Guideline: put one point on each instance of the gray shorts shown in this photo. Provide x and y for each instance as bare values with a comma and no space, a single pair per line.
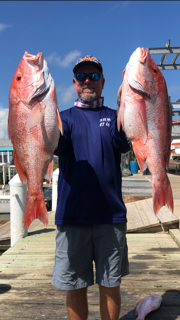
78,246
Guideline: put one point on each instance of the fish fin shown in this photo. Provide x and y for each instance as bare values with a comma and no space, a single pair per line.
142,114
141,162
120,118
20,172
36,115
50,170
35,209
162,195
60,125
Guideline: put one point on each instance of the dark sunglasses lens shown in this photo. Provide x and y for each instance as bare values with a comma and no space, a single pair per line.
94,76
81,76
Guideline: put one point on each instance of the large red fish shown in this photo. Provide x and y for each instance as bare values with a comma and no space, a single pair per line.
33,126
146,117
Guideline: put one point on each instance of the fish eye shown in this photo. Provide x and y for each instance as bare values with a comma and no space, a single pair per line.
155,71
18,78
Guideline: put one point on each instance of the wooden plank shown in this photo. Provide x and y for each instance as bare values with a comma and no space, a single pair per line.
145,218
2,222
5,231
164,214
175,234
133,218
149,211
146,214
141,217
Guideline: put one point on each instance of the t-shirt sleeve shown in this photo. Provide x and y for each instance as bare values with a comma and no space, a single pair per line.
65,138
118,138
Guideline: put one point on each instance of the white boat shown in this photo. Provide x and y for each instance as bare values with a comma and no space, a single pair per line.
4,203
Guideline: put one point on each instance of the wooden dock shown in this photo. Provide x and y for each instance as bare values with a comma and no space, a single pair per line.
141,217
26,269
5,235
140,214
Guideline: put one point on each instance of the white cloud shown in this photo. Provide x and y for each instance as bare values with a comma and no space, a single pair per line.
3,123
70,57
174,89
4,26
67,93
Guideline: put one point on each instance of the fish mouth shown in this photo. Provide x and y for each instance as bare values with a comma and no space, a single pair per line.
143,55
32,59
135,73
140,55
42,78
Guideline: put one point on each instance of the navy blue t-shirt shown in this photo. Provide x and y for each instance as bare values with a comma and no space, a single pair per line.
89,185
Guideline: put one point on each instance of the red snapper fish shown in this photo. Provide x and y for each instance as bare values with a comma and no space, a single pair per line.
147,305
33,126
145,114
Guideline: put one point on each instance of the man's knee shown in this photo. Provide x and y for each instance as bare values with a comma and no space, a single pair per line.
78,293
109,291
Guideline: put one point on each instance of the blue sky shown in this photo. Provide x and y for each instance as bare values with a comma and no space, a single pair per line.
67,30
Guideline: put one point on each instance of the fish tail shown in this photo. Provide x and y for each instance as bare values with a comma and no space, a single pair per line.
35,209
162,195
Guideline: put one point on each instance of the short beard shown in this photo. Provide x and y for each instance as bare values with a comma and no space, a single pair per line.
90,98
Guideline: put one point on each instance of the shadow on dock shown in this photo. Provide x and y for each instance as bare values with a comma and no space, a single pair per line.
4,288
41,231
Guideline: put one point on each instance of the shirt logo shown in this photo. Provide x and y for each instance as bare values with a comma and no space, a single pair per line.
104,122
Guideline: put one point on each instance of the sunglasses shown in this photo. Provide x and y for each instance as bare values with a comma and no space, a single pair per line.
94,76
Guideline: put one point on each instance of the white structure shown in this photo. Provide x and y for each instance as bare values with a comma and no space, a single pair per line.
175,132
6,159
54,189
18,192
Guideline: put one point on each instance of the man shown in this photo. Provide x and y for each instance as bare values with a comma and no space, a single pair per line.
90,215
